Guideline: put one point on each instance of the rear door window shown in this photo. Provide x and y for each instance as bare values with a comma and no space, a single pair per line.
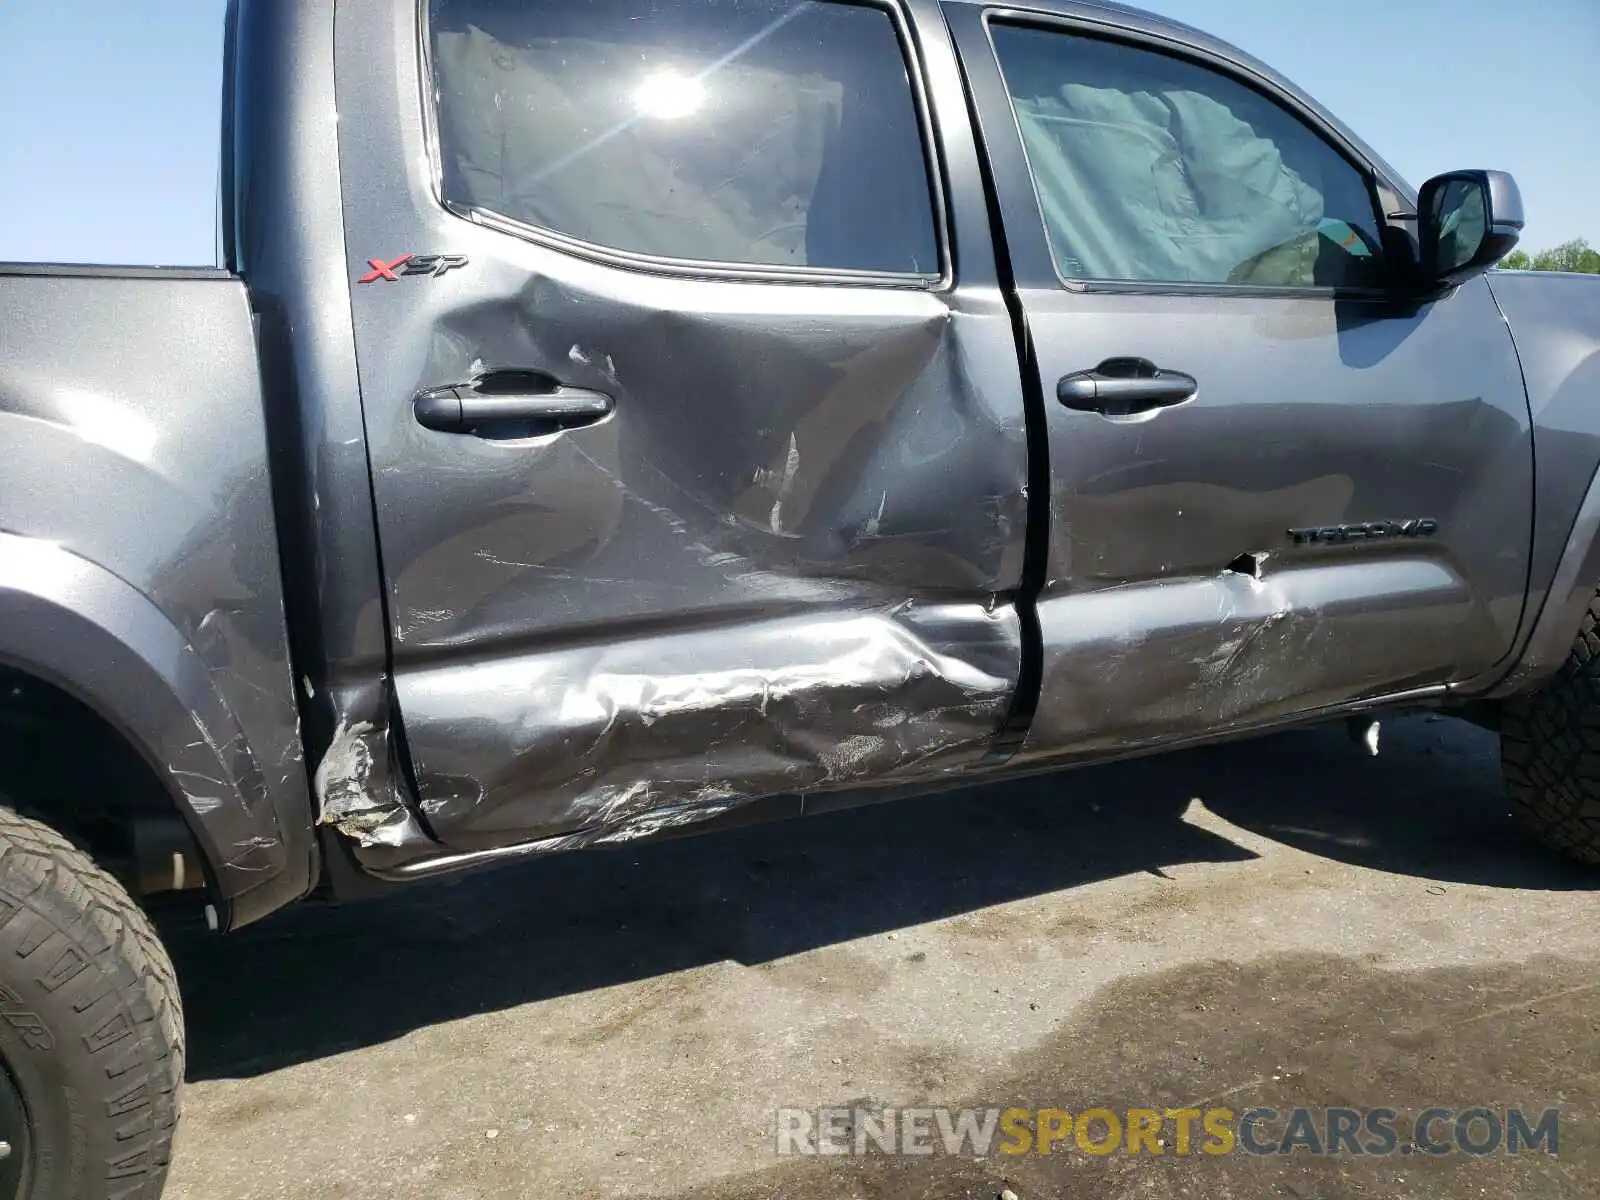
746,132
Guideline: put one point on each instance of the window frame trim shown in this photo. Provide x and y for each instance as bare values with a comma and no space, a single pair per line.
1168,46
935,178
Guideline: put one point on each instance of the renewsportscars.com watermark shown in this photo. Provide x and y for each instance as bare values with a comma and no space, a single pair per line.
979,1132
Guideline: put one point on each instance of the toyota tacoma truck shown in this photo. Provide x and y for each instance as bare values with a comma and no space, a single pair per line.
621,419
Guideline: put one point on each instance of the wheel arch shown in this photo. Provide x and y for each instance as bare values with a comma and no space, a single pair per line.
82,632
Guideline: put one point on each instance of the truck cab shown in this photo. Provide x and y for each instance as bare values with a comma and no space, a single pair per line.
615,420
767,404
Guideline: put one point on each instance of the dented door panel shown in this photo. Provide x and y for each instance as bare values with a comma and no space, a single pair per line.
1199,656
1176,598
740,552
1312,414
786,560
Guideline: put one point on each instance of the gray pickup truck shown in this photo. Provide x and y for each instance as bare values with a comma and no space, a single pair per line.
625,418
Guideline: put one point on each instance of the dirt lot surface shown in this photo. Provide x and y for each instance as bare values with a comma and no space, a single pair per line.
1278,923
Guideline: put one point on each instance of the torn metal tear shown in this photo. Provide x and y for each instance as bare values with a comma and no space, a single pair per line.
350,795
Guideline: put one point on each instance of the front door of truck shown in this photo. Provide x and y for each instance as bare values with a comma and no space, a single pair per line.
698,474
1275,487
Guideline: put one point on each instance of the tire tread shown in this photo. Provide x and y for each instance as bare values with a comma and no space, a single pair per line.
1550,749
65,895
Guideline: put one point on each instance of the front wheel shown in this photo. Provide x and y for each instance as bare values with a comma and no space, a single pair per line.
91,1032
1550,750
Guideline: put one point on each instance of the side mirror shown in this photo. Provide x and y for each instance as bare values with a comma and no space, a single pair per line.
1466,222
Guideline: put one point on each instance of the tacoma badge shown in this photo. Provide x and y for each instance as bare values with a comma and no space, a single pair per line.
1366,531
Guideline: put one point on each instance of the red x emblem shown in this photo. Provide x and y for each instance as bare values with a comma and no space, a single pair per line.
383,270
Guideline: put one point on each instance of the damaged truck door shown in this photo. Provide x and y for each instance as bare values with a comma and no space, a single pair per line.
697,476
1231,356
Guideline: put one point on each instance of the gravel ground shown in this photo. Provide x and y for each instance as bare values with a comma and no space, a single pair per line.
1276,923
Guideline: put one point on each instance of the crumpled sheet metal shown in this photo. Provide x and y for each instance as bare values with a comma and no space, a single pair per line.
355,793
624,739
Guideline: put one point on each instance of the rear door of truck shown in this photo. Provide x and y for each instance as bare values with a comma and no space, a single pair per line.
692,402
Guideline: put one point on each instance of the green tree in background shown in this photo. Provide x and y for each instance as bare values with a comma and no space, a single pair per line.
1569,256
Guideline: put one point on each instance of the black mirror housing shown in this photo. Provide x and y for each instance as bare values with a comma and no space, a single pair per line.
1466,222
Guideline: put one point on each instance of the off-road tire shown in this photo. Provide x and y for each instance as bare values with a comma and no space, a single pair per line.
91,1031
1550,750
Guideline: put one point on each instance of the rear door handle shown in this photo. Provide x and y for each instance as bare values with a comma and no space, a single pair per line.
510,402
1125,387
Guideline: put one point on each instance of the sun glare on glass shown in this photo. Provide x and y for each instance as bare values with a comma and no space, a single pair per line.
668,95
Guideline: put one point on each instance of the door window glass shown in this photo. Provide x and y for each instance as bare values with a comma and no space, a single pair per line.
728,131
1152,168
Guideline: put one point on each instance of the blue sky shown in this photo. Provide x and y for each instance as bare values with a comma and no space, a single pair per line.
109,108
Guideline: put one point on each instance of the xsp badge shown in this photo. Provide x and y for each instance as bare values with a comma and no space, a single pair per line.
1365,531
412,264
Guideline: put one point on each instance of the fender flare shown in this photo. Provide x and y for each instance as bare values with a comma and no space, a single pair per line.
1554,628
78,626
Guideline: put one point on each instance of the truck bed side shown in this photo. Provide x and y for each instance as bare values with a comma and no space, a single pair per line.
139,566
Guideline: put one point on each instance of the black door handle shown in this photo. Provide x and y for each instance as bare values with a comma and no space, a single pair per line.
510,403
1125,387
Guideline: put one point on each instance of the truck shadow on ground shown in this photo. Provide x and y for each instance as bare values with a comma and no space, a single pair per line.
320,980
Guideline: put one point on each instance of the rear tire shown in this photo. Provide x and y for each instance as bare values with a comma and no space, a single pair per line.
1550,750
91,1031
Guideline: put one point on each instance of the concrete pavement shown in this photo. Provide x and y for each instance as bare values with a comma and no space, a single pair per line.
1274,923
